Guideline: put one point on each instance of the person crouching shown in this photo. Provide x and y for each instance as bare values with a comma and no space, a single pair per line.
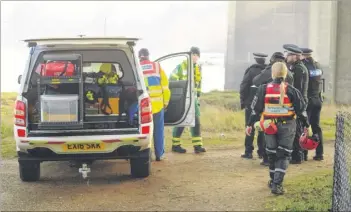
275,106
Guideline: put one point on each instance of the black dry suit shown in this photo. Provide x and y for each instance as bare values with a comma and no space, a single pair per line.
278,146
246,97
315,100
300,73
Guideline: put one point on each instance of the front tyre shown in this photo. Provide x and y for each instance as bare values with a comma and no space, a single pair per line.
140,166
29,171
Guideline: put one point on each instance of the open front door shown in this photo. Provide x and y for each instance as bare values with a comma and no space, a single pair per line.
181,107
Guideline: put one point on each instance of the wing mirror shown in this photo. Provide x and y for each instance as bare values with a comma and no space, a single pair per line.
19,79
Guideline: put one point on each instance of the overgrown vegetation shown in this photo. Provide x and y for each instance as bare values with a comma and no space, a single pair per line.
223,125
306,192
222,122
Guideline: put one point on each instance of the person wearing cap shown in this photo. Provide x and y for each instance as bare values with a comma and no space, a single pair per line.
299,57
180,73
245,101
265,77
157,85
315,99
301,79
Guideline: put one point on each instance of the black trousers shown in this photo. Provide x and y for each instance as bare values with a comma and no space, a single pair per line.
314,113
298,153
249,139
279,148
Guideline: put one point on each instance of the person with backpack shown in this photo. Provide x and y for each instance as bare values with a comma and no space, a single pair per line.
263,78
274,107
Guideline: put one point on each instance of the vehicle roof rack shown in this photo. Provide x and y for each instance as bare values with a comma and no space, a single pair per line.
81,40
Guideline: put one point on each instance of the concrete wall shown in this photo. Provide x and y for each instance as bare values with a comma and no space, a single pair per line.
343,47
324,26
262,26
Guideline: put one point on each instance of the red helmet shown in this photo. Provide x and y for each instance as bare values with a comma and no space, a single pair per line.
308,142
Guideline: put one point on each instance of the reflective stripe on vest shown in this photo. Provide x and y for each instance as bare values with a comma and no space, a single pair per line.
272,108
151,72
152,78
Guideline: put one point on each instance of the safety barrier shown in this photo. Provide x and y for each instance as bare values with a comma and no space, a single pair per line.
341,200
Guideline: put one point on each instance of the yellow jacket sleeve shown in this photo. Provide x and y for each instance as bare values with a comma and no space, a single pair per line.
165,88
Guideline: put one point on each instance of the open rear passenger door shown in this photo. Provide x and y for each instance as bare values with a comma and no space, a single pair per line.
181,107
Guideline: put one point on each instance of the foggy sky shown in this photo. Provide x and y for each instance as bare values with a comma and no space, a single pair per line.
165,27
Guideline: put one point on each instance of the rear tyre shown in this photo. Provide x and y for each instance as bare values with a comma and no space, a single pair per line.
29,171
140,167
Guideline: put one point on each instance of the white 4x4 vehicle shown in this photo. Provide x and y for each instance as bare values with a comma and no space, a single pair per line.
54,122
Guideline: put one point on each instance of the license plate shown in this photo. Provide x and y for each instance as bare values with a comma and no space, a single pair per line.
83,147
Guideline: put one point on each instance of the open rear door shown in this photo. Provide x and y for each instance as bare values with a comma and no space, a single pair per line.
181,108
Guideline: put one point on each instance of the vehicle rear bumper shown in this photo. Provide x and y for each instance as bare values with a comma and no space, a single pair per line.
56,145
44,154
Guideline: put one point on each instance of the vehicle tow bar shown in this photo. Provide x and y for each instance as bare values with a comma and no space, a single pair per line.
84,170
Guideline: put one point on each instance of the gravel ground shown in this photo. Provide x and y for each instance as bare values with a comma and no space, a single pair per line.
215,181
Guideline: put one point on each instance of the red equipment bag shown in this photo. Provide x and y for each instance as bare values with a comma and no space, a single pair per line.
57,68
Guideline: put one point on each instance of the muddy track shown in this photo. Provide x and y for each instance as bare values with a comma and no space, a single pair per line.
216,181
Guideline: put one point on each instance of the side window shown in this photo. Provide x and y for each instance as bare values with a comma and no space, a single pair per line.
176,67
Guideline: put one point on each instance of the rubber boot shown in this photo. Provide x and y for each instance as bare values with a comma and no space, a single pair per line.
247,155
318,158
270,183
199,149
277,189
178,149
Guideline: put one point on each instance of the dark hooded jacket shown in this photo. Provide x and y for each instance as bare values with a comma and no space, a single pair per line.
246,83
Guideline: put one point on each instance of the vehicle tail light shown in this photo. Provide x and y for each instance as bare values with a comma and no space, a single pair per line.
145,111
20,114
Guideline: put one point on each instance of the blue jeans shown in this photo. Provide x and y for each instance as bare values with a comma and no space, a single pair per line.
159,142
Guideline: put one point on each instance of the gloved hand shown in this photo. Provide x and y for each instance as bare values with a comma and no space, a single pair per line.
304,121
248,130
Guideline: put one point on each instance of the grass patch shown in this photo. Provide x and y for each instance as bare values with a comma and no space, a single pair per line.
305,192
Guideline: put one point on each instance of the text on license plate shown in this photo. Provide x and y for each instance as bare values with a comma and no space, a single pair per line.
83,147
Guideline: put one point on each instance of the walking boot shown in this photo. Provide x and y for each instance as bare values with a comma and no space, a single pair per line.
199,149
270,183
247,155
295,162
264,163
318,158
260,156
178,149
277,189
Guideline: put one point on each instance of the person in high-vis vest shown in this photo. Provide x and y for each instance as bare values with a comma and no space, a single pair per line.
274,108
157,86
180,73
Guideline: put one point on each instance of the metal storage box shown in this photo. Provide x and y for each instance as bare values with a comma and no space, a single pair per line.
59,108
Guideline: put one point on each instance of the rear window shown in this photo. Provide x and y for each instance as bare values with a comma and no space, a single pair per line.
93,61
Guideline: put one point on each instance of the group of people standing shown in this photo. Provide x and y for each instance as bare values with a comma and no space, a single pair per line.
284,98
